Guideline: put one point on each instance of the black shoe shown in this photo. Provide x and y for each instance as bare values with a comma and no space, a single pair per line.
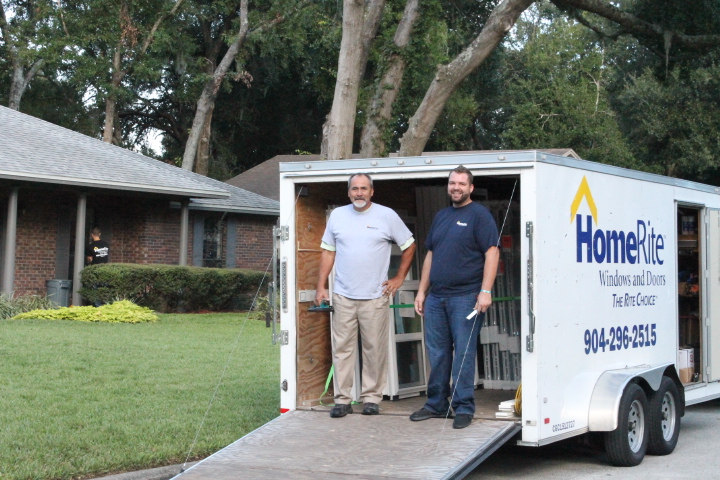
462,420
371,409
340,410
424,414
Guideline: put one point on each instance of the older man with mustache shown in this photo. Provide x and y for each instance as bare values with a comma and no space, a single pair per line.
357,241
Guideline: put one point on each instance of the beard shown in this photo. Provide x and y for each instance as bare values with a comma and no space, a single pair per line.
359,203
463,198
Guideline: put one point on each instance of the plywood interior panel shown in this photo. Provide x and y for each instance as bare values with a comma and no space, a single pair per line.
314,353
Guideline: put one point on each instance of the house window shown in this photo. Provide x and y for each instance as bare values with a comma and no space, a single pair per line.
212,243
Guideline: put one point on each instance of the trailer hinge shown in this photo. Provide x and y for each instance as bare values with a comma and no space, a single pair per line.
281,338
282,232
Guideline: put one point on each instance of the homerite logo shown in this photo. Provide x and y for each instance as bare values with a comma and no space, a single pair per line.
637,245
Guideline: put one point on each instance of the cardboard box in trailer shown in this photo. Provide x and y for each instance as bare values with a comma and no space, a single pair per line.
604,314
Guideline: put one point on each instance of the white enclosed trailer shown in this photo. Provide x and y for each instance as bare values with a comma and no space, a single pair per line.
608,314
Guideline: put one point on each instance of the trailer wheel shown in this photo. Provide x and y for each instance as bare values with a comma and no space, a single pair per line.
663,419
626,445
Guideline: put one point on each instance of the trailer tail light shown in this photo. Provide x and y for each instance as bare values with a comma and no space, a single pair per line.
547,420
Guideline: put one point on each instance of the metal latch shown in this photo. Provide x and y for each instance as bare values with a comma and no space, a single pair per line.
282,232
281,338
283,285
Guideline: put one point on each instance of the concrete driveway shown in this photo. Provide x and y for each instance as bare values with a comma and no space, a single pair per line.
697,455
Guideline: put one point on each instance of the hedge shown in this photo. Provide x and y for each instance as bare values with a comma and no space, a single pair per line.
171,288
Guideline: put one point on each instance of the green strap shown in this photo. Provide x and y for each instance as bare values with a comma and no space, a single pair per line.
496,299
327,387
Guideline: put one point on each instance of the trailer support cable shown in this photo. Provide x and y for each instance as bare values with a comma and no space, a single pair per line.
475,317
224,370
232,352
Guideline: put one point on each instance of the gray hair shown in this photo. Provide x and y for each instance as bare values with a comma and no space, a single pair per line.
359,175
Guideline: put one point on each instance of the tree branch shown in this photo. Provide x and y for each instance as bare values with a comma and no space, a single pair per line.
634,25
158,22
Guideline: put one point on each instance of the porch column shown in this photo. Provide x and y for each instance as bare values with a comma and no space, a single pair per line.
80,242
184,213
8,278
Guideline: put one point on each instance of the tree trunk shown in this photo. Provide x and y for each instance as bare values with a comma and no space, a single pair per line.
17,87
203,152
372,141
448,77
206,102
359,29
119,74
111,99
20,81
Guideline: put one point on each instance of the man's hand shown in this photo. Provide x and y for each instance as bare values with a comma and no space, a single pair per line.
484,300
420,303
392,286
320,295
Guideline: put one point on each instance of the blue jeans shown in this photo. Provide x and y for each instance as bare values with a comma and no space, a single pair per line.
448,331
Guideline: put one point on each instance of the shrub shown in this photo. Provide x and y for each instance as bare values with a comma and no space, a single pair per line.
171,288
123,311
11,306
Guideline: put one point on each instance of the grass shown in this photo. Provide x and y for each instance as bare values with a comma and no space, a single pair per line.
79,400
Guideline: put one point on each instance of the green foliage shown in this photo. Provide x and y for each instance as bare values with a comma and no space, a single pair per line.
11,306
557,96
674,124
123,311
171,288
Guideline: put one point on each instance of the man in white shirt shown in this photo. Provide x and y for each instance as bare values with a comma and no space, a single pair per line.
358,241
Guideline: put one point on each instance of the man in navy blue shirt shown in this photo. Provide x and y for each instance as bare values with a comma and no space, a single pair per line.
457,278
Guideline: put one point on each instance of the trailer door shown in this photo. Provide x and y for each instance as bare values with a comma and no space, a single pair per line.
311,445
712,300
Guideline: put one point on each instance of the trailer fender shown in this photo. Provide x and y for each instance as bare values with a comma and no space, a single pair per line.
605,399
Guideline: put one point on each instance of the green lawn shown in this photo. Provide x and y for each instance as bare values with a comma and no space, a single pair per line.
86,399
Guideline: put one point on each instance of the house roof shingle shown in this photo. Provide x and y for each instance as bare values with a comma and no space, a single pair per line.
37,151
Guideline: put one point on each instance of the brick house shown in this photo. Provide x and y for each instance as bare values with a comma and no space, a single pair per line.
56,185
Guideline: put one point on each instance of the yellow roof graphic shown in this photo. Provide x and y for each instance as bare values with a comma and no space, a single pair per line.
583,191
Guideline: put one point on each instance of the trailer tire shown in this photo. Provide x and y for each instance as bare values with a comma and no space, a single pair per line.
664,419
626,445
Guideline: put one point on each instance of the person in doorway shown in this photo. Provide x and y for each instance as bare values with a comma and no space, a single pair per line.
357,241
98,251
457,277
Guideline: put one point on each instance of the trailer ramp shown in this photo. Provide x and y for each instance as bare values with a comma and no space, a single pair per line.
311,445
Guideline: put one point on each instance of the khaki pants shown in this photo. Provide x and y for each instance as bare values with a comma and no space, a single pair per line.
370,317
